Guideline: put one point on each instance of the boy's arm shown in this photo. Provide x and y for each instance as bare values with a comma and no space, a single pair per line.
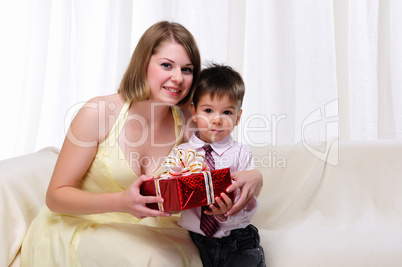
245,162
247,179
249,183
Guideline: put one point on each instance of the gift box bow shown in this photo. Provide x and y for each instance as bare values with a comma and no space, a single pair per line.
182,162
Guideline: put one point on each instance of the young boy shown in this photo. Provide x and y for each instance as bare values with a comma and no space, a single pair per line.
217,110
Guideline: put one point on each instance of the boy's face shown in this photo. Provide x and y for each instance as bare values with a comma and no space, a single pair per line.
215,118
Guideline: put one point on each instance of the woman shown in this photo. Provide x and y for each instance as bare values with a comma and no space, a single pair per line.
95,215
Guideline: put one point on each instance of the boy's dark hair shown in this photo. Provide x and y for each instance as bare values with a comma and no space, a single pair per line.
220,80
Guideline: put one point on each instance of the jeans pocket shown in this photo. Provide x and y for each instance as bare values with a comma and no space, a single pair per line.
247,243
253,257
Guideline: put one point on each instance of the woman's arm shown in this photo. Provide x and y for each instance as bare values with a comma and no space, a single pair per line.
250,184
75,157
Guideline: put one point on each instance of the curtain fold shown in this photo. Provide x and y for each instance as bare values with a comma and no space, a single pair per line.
290,65
314,69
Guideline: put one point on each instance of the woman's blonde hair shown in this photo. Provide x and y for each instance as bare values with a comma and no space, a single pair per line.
134,85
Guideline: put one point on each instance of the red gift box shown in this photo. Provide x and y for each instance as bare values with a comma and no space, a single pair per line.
189,191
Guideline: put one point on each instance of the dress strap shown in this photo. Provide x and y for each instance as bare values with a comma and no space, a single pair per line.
118,124
121,119
178,119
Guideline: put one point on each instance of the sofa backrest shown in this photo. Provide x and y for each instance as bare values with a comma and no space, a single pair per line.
363,181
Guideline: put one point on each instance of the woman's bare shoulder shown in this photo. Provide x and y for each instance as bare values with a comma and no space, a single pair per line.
110,102
97,114
104,106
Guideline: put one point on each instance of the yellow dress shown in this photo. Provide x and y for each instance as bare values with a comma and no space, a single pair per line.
109,239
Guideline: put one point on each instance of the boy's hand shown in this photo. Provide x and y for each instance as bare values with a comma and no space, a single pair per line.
224,203
250,184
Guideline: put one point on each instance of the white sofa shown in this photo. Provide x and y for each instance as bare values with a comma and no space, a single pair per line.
328,205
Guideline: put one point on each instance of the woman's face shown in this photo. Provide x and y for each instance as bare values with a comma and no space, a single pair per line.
169,73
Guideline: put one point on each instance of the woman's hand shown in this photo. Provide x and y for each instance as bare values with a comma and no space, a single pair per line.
223,205
134,203
250,184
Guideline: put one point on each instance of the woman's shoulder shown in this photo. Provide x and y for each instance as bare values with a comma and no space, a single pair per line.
95,114
110,102
104,106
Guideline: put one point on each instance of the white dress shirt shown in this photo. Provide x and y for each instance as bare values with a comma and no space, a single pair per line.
227,153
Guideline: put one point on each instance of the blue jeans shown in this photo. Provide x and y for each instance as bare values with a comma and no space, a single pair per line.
241,248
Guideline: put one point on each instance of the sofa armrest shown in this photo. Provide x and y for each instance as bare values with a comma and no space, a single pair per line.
23,185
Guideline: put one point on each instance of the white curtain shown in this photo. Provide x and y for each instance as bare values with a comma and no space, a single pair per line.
314,69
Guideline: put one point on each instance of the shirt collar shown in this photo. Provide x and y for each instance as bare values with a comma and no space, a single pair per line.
219,147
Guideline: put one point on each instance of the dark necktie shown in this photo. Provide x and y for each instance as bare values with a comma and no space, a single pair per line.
208,223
